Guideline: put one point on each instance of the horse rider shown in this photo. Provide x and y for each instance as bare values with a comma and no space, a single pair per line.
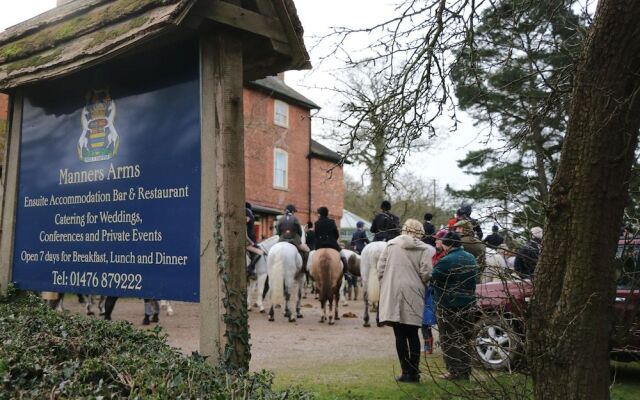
327,235
253,251
290,231
385,225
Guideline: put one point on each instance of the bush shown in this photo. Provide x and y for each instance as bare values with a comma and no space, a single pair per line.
47,354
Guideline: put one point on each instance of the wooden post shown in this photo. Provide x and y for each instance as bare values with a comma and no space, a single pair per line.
10,190
224,319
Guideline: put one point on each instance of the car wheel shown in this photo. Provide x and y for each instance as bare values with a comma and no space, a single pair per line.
497,344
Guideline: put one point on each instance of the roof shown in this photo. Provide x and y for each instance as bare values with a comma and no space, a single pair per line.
83,33
278,88
322,152
349,220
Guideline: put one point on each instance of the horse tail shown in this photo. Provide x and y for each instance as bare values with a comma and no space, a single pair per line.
323,269
373,286
276,279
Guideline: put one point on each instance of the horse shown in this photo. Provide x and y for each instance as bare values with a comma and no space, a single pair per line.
349,255
326,270
369,274
284,268
256,287
496,267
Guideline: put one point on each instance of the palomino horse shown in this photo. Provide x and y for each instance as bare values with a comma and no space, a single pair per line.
326,270
369,274
284,268
256,287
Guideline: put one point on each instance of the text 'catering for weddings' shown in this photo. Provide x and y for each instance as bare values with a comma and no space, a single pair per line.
109,181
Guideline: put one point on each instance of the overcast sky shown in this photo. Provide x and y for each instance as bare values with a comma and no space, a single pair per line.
317,18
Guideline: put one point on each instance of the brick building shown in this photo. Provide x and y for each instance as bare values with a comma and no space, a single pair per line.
282,163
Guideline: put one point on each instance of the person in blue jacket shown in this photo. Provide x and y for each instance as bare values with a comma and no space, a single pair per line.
454,293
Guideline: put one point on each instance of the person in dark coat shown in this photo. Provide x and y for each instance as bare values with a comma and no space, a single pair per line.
359,238
464,213
429,230
385,225
527,257
454,281
327,234
289,228
310,236
494,240
253,252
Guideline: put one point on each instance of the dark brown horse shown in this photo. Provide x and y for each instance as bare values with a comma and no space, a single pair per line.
326,270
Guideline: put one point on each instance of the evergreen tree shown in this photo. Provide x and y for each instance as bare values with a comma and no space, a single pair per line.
517,79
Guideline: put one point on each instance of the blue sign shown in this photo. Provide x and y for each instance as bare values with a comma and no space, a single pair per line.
109,180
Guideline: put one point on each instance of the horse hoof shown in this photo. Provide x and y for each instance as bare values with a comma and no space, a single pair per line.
337,318
366,325
299,316
271,319
262,311
292,320
321,321
331,323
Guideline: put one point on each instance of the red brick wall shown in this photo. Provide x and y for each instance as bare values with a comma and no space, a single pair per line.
261,137
327,188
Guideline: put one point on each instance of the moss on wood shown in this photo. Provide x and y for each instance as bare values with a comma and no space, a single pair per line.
34,61
77,26
106,35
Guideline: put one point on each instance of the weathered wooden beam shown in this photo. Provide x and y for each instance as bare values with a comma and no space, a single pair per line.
223,285
211,308
243,19
10,191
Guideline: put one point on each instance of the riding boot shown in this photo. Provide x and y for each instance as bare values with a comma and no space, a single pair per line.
251,268
345,267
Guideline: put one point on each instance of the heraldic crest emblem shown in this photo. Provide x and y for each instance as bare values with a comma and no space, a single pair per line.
99,139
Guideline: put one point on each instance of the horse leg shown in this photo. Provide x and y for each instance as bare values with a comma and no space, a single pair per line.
323,305
366,309
250,289
101,302
271,318
89,304
337,316
331,322
287,309
262,280
298,303
169,308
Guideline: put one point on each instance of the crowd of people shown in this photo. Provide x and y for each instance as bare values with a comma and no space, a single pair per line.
428,277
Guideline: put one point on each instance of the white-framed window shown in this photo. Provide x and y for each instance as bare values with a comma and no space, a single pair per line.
280,169
281,113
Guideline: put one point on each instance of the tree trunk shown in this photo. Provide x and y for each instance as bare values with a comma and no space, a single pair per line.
541,167
571,312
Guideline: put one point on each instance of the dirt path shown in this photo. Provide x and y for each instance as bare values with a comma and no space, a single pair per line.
278,345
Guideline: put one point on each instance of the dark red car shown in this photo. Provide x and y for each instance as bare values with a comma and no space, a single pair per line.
502,305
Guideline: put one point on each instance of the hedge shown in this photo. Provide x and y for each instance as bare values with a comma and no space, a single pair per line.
46,354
